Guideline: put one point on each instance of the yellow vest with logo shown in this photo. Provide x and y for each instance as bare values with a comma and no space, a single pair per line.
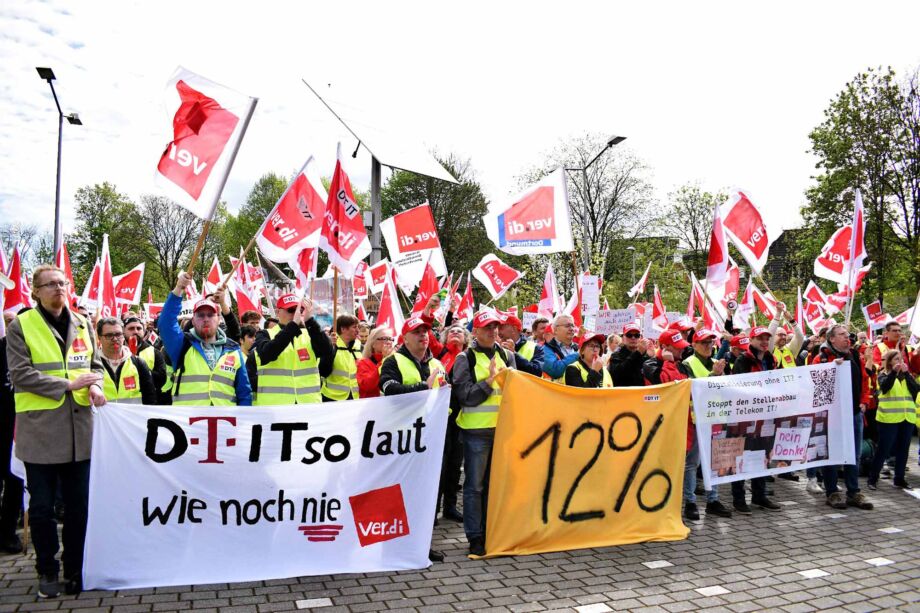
697,367
293,377
197,384
608,381
411,375
784,357
343,380
128,390
896,405
527,350
47,359
484,415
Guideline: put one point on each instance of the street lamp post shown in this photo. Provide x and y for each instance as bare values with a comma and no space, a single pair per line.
633,249
73,119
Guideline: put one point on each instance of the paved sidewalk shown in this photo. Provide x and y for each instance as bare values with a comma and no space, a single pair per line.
803,558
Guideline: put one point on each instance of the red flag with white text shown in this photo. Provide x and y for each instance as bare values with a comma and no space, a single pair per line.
16,298
130,285
428,287
467,309
746,228
62,261
343,235
495,275
295,222
105,294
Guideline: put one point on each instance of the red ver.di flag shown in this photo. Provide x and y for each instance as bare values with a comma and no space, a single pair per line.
295,222
535,221
746,228
412,240
209,121
495,275
130,286
343,236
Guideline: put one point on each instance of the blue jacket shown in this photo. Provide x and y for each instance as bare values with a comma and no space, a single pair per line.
553,364
174,340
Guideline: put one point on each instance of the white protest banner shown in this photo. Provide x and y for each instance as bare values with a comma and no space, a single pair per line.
766,423
182,495
527,320
590,294
612,321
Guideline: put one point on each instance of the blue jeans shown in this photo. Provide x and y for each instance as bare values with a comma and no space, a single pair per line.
850,471
893,439
692,463
477,456
43,481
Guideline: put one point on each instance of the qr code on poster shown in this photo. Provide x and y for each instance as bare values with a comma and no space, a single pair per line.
825,386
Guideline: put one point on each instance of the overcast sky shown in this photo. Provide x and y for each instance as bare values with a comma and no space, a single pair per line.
717,92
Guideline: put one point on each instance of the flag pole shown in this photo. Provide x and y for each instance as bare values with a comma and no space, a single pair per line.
223,181
335,296
229,275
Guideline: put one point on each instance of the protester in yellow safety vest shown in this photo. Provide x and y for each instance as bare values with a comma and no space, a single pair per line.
126,377
209,367
589,370
698,366
783,348
55,370
479,397
896,417
412,368
340,370
892,339
528,355
151,356
284,365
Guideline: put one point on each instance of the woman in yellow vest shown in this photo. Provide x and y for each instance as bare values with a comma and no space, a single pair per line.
340,372
896,417
588,370
126,379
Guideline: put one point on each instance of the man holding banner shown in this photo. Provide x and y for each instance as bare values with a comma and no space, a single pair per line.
479,397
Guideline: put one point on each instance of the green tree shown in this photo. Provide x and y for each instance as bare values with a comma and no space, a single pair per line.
102,209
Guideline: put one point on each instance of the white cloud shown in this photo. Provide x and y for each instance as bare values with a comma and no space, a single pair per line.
722,92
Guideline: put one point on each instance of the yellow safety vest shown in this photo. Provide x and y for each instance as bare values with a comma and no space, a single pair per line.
896,405
697,367
484,415
47,359
527,349
784,357
343,380
410,373
199,385
608,381
293,377
148,354
128,390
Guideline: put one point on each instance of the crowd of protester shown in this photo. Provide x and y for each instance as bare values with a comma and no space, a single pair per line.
56,363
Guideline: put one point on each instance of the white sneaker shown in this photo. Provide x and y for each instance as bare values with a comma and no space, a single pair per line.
814,487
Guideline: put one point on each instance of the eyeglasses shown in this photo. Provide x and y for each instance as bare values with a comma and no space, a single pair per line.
56,284
291,310
565,326
385,339
112,337
633,335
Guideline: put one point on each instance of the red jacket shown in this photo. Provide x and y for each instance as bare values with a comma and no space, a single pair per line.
670,372
369,376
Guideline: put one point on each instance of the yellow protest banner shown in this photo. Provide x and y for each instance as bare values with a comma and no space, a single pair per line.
575,468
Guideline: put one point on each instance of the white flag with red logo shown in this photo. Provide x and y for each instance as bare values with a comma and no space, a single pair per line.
208,122
535,221
304,267
639,287
88,299
732,285
62,261
467,308
412,241
550,300
659,314
428,287
375,276
361,313
359,283
389,313
17,297
815,294
835,302
745,227
745,309
913,322
832,262
857,253
105,293
875,316
764,303
129,286
295,222
573,308
495,275
343,236
717,263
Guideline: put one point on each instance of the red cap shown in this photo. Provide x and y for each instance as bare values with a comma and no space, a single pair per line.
681,324
286,301
512,320
484,318
760,331
413,323
205,303
740,341
632,328
704,334
673,338
600,338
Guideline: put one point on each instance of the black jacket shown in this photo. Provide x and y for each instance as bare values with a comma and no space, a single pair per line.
626,368
573,375
145,379
270,348
827,354
391,381
886,382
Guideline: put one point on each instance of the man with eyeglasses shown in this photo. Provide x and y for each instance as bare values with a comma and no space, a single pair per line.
626,362
561,350
892,340
56,372
209,366
284,363
153,358
126,377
